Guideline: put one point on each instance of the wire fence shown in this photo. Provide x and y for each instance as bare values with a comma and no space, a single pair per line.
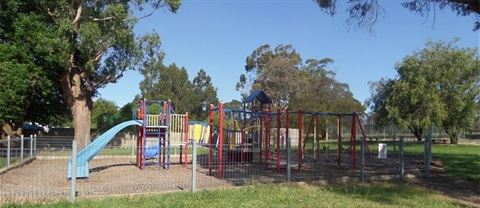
43,174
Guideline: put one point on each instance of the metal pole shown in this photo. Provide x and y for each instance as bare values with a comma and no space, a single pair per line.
402,162
194,165
35,144
21,148
428,153
362,155
289,161
31,146
74,172
8,152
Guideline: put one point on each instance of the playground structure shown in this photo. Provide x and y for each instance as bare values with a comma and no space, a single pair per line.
154,138
157,126
264,135
254,134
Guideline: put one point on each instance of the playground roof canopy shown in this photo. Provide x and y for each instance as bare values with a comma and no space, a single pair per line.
260,95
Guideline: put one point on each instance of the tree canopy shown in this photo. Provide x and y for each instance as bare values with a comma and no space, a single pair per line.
290,83
29,67
437,86
79,45
365,13
172,83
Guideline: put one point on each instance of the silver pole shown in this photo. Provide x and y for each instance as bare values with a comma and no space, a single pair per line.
8,152
194,165
362,155
289,161
31,146
402,162
428,154
35,144
74,171
21,148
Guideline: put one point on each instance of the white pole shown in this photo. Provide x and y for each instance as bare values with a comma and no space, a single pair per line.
8,152
31,146
21,148
35,144
194,166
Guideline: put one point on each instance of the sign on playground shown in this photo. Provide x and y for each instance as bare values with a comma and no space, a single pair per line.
382,150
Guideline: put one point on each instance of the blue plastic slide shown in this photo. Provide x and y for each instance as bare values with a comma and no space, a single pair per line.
90,151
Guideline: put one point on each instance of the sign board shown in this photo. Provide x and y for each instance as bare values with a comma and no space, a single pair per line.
382,150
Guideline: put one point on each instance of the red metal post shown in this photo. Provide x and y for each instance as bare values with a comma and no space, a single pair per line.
363,133
186,141
220,143
278,139
210,147
260,135
287,126
308,133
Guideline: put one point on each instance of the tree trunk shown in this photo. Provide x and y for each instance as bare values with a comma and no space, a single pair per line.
80,103
453,138
417,131
81,123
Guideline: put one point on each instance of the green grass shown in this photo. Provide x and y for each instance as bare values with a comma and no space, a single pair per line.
3,162
270,195
459,160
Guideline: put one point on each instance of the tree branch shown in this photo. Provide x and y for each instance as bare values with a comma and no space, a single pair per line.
472,5
78,15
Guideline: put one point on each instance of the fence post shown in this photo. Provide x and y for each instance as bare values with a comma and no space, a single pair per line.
362,155
289,161
401,158
35,144
8,151
194,165
21,148
74,172
31,146
428,154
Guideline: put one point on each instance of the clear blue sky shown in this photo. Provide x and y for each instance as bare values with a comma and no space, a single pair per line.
217,36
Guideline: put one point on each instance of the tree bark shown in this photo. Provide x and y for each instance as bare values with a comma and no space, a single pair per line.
453,138
417,131
80,104
81,122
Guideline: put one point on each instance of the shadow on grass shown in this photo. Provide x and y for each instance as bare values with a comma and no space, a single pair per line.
462,166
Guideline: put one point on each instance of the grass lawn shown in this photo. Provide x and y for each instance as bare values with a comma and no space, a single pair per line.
271,195
3,161
459,160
